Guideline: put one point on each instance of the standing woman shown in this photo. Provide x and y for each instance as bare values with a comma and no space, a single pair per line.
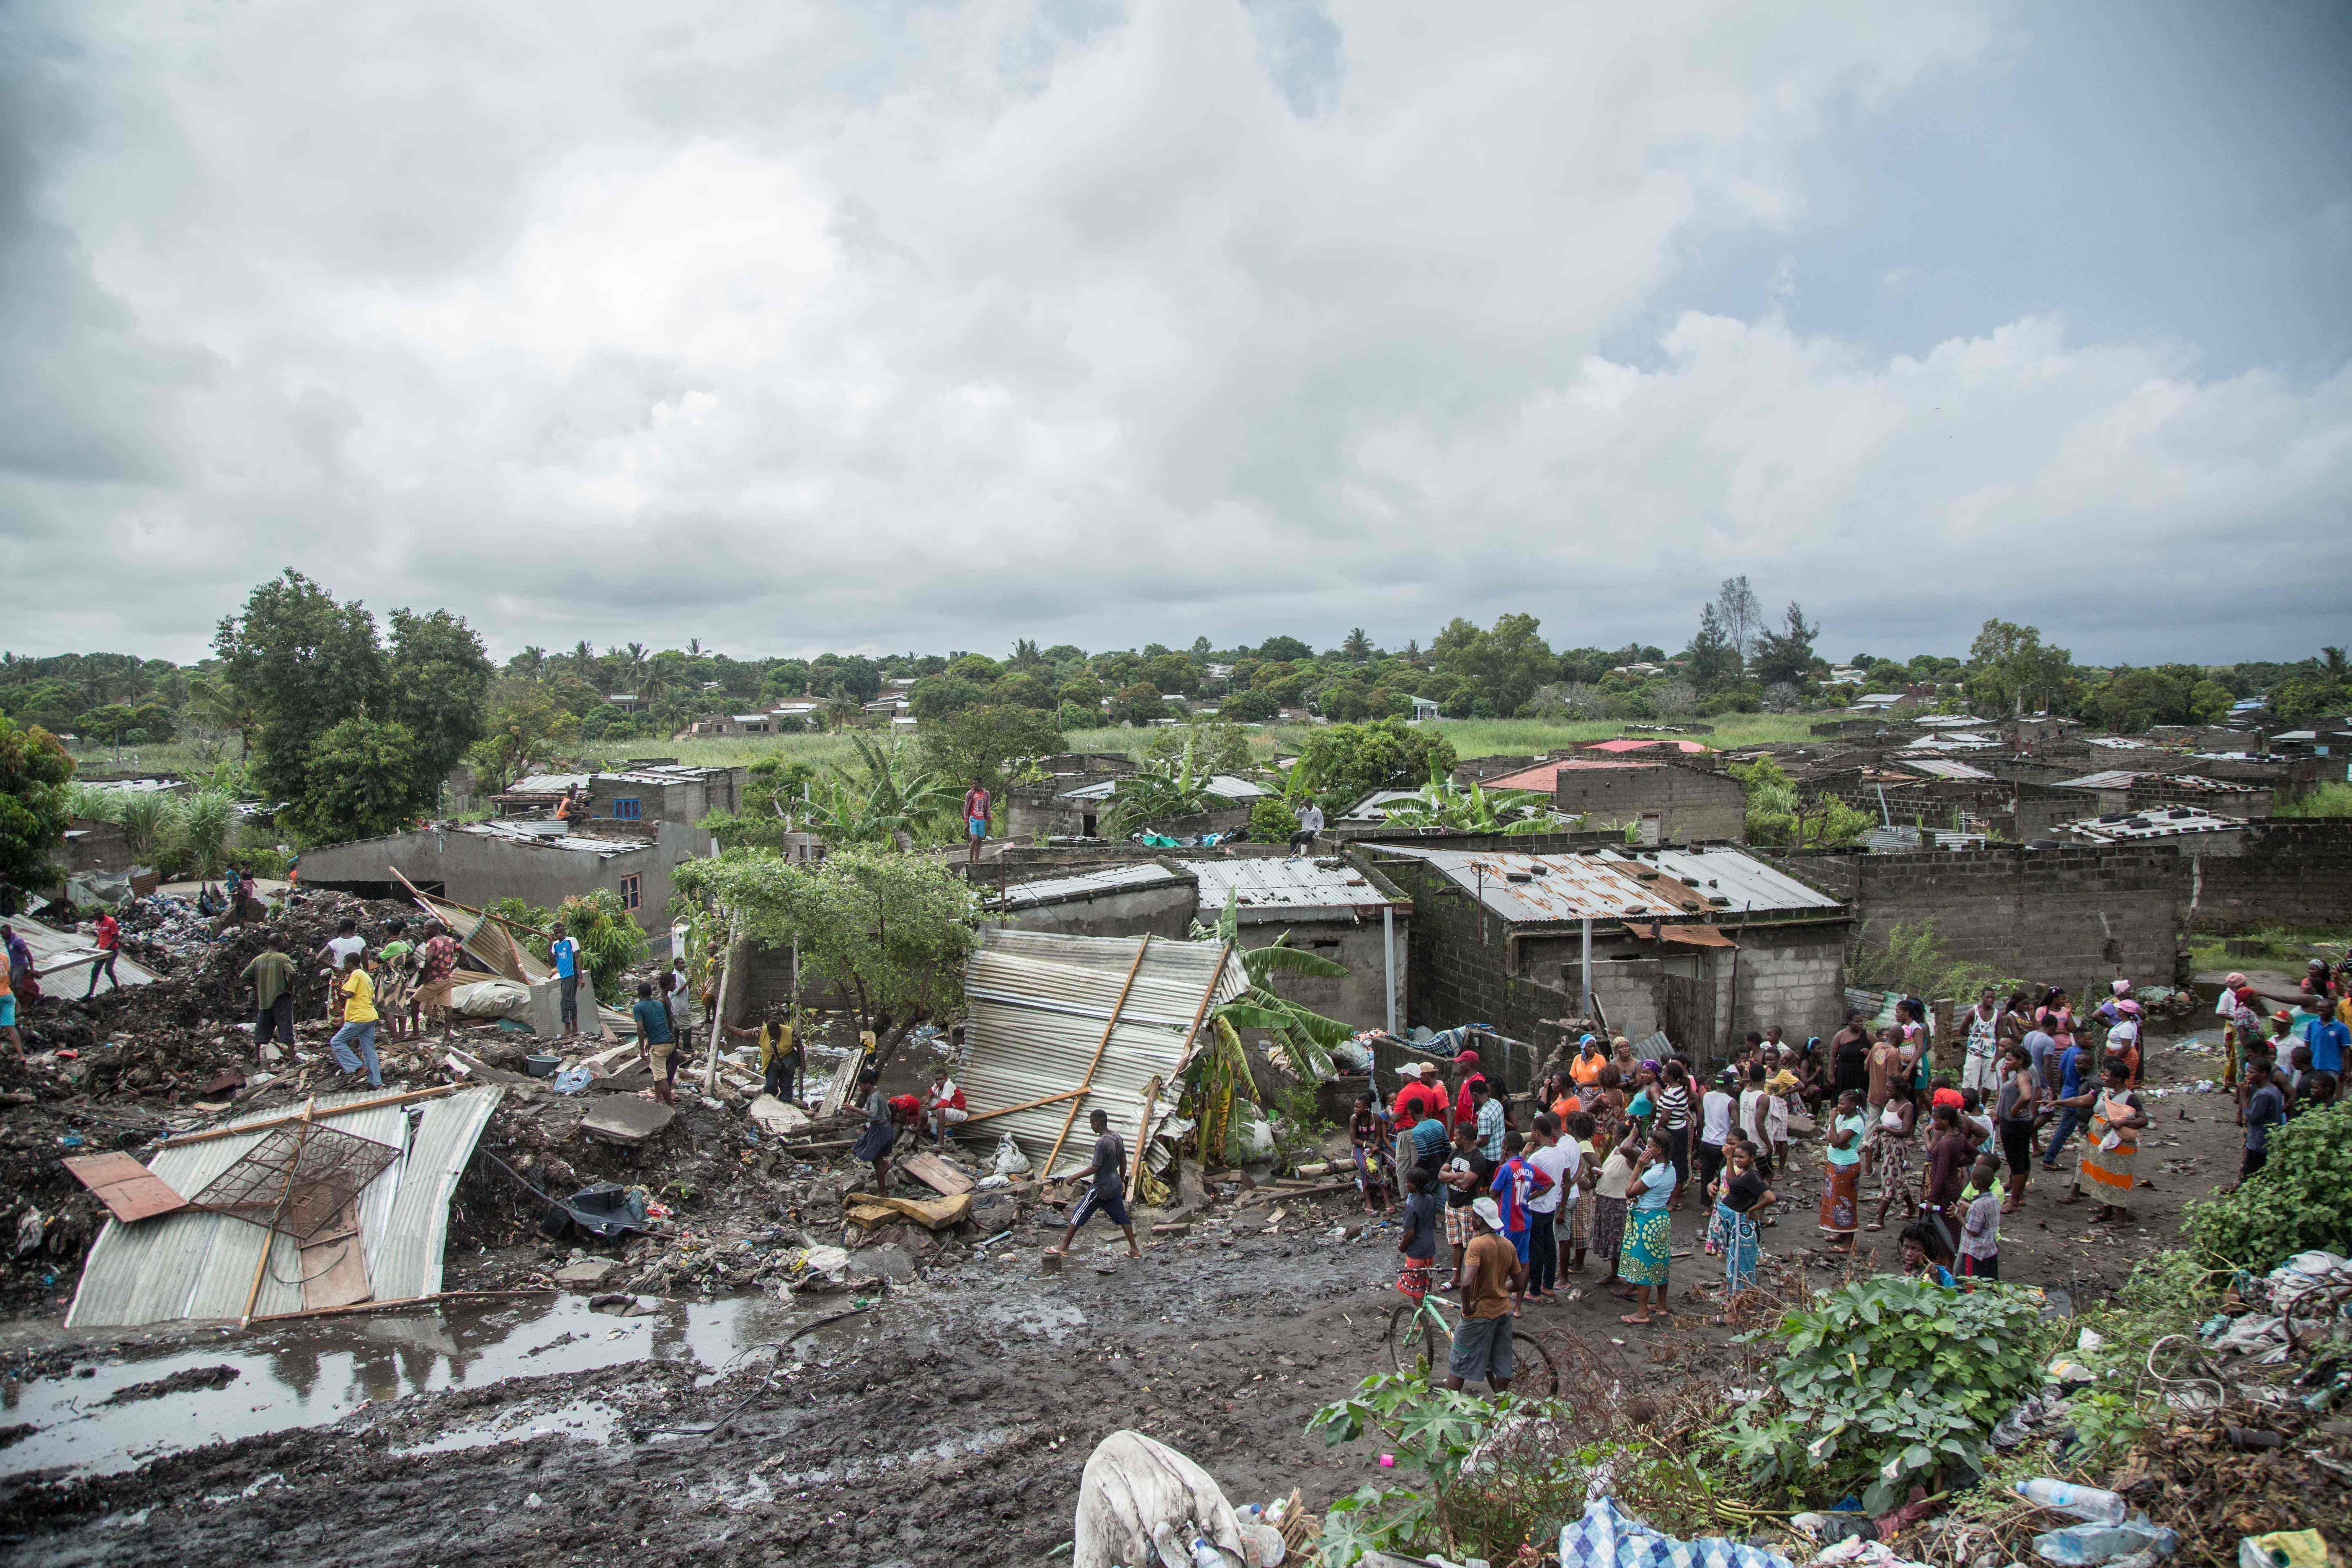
2056,1017
2015,1111
1675,1119
1648,1232
1609,1194
1842,1170
875,1142
1577,1205
1737,1235
1892,1138
1607,1104
2112,1146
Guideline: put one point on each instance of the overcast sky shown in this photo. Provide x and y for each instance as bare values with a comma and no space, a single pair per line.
884,326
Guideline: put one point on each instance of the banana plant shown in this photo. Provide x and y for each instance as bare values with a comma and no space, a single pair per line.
1472,808
1158,790
1303,1036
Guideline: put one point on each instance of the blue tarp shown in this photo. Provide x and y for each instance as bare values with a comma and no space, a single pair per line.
1606,1537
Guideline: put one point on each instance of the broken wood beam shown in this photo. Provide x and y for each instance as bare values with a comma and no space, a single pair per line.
324,1112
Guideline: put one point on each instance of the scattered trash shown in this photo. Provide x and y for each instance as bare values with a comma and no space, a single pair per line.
2083,1503
1138,1497
2284,1549
1606,1537
2087,1543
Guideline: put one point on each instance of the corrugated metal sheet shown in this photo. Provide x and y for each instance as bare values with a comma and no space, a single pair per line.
1036,1004
1287,886
2159,822
1223,785
1945,768
1109,879
56,952
1608,884
199,1267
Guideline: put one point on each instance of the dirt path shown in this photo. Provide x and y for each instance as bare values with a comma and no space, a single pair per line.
950,1426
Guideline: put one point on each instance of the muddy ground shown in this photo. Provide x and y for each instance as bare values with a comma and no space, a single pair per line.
948,1424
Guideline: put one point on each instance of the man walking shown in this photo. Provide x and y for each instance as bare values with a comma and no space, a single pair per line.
109,936
1107,1193
358,1030
272,974
975,820
565,952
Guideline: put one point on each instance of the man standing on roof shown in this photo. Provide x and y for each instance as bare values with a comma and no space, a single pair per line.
564,951
975,820
437,961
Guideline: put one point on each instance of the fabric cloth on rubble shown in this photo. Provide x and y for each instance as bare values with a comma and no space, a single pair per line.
1605,1538
1138,1498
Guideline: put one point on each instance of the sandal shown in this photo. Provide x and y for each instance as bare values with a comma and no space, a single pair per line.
1876,1225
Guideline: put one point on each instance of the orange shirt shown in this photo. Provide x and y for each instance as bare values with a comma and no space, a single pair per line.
1586,1070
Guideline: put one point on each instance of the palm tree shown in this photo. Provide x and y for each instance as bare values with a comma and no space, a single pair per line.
582,657
1161,788
2331,663
533,662
694,647
1356,646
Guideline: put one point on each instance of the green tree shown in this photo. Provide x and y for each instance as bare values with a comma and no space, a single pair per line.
361,782
201,829
1786,657
1173,674
1504,664
885,799
1714,663
1346,761
525,724
1023,690
1220,745
2009,670
1285,649
439,677
978,742
110,724
935,697
1741,613
1138,704
34,771
891,929
611,941
307,664
1356,648
1256,706
2306,696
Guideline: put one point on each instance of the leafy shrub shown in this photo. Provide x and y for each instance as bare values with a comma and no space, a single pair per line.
1885,1381
2295,1203
1270,821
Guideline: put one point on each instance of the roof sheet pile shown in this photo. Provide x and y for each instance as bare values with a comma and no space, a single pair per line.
198,1264
1040,1011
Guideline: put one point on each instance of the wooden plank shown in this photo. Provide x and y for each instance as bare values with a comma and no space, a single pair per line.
1142,1136
269,1231
129,1191
1024,1105
1101,1045
324,1112
334,1265
931,1213
938,1174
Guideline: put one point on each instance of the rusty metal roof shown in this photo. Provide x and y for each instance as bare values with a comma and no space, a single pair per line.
1614,885
1288,888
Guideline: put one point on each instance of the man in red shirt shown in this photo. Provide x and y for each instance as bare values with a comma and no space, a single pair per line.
110,934
943,1106
435,961
1426,1097
975,819
1463,1110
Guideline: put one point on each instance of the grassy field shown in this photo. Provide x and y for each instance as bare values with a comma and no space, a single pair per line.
1471,738
2284,948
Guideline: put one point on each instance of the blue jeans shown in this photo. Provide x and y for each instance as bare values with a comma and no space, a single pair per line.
2069,1119
364,1035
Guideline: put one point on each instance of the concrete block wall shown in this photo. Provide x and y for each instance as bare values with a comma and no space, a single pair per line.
2291,872
1696,804
2057,916
1457,975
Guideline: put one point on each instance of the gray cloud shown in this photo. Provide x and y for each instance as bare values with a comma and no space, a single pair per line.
935,327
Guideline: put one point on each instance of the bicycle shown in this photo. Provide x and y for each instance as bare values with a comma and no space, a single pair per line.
1420,1335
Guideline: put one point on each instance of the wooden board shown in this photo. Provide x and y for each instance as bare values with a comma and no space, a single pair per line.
937,1175
129,1191
931,1213
334,1265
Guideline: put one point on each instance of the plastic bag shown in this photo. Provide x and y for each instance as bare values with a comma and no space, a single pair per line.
1008,1160
2093,1542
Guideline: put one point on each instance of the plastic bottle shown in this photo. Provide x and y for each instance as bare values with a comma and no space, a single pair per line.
2083,1502
2084,1544
1205,1555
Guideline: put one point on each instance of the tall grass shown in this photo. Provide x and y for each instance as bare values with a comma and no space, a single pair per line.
2331,799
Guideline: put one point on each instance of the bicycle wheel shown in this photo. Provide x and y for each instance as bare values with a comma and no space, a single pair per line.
1416,1347
1532,1371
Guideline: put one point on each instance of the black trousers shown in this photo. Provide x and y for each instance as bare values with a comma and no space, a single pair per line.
1302,840
1710,1164
275,1022
102,964
1543,1252
778,1080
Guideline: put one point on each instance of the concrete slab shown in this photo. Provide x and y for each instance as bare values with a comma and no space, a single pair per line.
626,1118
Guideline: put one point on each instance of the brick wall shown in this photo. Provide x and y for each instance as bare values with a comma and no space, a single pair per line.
2293,872
1696,805
2056,916
2018,810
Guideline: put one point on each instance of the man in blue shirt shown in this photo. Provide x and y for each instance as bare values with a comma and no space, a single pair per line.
566,954
657,1048
2070,1084
2327,1036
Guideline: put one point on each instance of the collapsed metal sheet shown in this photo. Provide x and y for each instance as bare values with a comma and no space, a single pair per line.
1037,1008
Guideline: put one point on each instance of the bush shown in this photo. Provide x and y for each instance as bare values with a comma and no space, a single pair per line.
1270,821
2295,1203
1885,1383
1249,706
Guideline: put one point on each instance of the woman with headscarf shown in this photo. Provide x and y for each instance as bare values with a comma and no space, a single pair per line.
2112,1147
2240,1010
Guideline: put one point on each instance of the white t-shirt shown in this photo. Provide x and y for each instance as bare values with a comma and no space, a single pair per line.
1559,1162
342,947
1776,1118
1751,1101
2123,1036
1715,1108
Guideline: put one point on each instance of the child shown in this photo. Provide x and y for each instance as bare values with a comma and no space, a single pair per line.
1418,1245
1923,1251
1980,1201
1367,1138
1514,1183
1576,1203
1609,1203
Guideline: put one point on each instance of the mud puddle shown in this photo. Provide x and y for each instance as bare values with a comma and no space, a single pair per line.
225,1387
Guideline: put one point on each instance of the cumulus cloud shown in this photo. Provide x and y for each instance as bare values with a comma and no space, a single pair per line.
936,327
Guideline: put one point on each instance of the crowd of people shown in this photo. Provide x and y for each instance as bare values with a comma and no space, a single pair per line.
1612,1146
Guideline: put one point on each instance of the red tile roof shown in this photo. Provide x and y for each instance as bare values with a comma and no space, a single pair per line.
1545,776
